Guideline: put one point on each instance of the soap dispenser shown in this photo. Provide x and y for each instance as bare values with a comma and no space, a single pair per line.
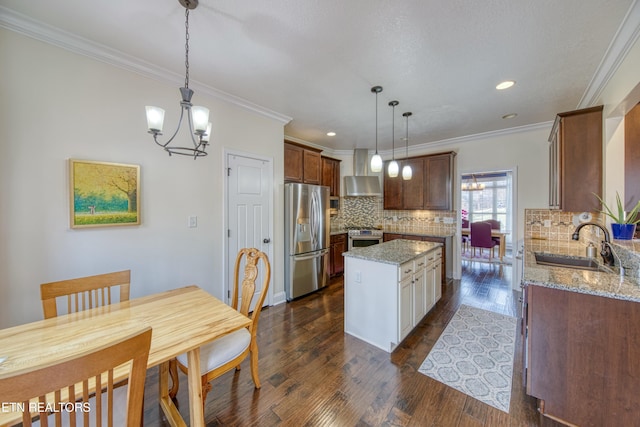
591,250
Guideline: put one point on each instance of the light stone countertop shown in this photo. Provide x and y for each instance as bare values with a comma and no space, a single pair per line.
424,233
393,252
597,283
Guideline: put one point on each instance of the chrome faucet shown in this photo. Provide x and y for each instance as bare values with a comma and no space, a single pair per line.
605,246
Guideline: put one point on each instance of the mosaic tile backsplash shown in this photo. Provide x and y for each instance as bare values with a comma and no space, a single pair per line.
369,212
556,228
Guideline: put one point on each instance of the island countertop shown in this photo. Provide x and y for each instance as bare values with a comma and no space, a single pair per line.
597,283
395,252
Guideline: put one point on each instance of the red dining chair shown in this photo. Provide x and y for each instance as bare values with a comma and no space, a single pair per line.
481,237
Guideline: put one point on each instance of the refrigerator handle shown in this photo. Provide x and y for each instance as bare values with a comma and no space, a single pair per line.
315,255
314,219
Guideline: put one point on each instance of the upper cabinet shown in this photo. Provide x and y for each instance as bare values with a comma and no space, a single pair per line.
575,160
430,187
632,157
331,175
302,164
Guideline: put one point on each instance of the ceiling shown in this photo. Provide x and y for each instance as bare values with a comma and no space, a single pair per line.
316,61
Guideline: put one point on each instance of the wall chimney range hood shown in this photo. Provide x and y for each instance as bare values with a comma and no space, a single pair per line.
361,184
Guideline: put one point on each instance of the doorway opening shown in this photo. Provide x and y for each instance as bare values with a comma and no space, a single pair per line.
488,196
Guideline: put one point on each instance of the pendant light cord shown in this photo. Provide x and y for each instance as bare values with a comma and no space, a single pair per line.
186,47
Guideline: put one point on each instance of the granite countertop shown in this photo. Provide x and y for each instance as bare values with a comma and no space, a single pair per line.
394,252
335,231
424,233
610,285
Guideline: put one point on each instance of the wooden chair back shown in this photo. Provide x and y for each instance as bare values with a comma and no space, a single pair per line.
247,287
85,292
81,386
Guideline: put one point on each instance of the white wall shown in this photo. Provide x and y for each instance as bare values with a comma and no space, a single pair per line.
56,105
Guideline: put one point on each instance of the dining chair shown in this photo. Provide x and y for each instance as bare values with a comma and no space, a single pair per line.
481,237
85,292
465,239
226,353
495,225
80,390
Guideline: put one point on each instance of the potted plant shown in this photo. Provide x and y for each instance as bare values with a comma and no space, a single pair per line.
623,225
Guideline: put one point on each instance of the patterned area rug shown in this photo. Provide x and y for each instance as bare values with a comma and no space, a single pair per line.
474,355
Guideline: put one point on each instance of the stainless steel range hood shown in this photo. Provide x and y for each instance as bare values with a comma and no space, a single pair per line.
361,184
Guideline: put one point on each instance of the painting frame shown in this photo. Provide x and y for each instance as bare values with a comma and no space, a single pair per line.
100,191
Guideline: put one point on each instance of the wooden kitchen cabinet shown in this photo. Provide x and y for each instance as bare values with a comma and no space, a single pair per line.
331,175
337,246
581,356
302,164
576,160
430,187
438,194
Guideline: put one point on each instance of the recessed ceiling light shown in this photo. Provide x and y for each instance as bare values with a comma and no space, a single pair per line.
505,84
509,116
331,134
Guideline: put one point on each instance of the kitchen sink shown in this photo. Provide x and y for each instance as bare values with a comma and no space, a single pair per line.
555,260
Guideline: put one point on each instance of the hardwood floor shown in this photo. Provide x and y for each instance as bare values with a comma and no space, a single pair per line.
313,374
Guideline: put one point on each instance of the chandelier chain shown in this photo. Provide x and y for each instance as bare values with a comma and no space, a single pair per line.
186,48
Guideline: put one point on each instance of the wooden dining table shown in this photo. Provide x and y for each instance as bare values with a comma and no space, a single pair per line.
182,320
502,247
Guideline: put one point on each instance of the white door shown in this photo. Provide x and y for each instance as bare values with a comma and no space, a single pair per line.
249,183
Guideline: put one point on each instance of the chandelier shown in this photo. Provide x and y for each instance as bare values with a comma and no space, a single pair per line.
472,186
198,117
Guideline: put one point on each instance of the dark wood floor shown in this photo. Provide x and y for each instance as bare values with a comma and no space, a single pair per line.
313,374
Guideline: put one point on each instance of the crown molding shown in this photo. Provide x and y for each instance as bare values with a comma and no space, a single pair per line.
622,42
38,30
444,143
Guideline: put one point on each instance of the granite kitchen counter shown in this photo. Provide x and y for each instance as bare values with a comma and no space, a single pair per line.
598,283
335,231
394,252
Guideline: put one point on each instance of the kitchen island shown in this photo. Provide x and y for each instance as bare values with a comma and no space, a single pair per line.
581,338
389,288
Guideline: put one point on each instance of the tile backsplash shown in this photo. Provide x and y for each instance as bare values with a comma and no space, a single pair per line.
369,212
556,228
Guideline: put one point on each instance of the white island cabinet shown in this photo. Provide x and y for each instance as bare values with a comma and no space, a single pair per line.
389,288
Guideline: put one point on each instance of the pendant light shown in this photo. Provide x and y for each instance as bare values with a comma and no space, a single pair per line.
406,170
376,160
393,165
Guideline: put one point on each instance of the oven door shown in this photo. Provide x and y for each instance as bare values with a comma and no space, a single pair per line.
363,241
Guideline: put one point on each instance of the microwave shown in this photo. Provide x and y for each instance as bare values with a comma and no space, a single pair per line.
334,205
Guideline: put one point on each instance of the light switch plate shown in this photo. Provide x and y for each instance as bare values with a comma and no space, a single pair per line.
192,221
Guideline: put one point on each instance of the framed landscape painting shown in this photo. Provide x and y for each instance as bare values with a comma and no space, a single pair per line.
104,194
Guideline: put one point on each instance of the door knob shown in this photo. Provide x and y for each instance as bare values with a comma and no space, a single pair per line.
267,240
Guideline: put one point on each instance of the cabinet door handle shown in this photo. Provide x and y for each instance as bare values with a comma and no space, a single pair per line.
407,271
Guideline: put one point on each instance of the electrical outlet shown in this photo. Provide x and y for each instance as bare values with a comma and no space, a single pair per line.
192,221
547,223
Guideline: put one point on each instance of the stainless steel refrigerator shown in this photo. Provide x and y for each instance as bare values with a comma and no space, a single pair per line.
306,233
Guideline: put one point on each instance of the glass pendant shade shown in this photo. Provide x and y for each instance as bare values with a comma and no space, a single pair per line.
376,163
207,134
200,116
155,118
393,169
407,172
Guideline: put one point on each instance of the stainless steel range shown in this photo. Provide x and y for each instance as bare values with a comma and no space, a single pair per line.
360,237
